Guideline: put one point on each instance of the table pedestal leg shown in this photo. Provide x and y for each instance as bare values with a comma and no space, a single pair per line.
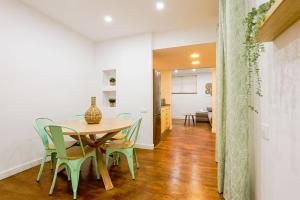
103,171
101,165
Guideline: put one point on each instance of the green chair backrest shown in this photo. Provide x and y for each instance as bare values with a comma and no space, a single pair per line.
39,125
134,131
127,116
58,139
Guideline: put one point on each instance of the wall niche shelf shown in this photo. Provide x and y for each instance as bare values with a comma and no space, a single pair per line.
282,15
108,90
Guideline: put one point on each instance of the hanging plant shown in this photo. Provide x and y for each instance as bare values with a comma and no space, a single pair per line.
254,48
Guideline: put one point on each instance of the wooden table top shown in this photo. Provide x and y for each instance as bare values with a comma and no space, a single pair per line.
106,125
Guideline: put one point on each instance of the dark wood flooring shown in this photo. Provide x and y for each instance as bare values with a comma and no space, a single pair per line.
182,166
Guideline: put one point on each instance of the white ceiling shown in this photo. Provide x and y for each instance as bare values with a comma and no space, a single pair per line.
129,16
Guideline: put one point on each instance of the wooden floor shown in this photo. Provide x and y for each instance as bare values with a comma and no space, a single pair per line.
181,167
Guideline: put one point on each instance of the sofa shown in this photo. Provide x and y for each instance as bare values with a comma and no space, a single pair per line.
204,116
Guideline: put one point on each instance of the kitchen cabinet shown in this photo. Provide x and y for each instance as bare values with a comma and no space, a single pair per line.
165,118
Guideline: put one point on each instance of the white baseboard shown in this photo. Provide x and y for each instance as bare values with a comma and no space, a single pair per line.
144,146
33,163
19,168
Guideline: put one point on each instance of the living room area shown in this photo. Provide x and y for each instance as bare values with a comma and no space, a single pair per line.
188,84
192,96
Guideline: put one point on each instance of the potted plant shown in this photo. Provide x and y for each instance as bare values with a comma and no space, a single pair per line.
112,102
112,81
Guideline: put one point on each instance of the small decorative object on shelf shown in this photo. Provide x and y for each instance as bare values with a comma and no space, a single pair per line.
112,102
93,115
112,81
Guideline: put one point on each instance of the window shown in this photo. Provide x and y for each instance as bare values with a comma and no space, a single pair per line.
184,85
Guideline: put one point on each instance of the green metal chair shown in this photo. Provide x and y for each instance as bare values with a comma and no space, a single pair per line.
50,150
72,158
123,134
126,147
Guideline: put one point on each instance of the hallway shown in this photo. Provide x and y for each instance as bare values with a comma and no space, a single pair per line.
181,167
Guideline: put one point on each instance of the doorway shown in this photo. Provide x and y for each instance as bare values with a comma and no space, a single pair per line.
187,87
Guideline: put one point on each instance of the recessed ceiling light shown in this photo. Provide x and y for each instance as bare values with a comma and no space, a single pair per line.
193,70
176,71
195,55
160,5
108,19
196,62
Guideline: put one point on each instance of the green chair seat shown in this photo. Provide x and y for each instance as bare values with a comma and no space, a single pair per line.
119,144
68,144
119,136
76,152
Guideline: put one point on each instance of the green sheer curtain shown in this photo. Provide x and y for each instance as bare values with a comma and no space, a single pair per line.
221,99
233,120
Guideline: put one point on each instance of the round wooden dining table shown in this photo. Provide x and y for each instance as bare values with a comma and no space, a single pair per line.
107,128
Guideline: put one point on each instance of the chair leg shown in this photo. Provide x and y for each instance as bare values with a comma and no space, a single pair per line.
68,172
136,159
41,167
129,156
96,166
75,171
116,158
54,177
106,157
53,158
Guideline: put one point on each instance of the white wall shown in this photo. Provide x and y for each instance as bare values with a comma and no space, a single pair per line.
132,59
277,156
192,103
45,70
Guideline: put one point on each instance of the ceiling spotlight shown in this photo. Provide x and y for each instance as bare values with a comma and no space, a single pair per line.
108,19
196,62
195,55
160,5
193,70
176,71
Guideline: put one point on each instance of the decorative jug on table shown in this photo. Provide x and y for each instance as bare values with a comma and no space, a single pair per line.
93,115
